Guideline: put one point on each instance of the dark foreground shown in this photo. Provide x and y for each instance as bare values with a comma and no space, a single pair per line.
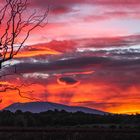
68,134
62,125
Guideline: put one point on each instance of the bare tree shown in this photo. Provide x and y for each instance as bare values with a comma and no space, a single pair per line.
13,21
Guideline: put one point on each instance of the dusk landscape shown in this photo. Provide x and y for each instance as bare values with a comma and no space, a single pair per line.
71,55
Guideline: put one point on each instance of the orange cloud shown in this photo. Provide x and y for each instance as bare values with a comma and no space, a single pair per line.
75,73
101,96
46,51
107,99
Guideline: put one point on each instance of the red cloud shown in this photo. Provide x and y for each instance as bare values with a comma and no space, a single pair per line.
64,2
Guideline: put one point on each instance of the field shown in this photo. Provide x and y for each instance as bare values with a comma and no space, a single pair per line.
68,134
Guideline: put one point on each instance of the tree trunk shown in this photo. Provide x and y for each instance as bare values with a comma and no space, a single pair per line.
0,65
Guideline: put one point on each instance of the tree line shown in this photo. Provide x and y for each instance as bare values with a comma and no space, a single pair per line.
62,118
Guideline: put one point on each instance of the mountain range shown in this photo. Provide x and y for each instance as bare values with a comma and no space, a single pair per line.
37,107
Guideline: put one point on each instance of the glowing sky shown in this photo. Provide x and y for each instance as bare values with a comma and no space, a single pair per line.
87,55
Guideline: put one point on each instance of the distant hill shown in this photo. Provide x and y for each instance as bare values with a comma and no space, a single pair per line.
37,107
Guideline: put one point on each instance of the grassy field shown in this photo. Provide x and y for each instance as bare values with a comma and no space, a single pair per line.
68,134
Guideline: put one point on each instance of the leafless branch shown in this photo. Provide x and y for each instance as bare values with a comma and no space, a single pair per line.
14,22
5,88
18,89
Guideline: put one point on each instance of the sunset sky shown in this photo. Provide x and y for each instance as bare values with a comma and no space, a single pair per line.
87,55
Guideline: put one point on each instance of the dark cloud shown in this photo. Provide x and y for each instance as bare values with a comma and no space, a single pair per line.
122,73
67,80
60,65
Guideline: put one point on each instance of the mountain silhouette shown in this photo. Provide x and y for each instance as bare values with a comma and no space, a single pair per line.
37,107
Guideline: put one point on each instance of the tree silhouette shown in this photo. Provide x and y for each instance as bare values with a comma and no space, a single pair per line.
13,21
18,18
